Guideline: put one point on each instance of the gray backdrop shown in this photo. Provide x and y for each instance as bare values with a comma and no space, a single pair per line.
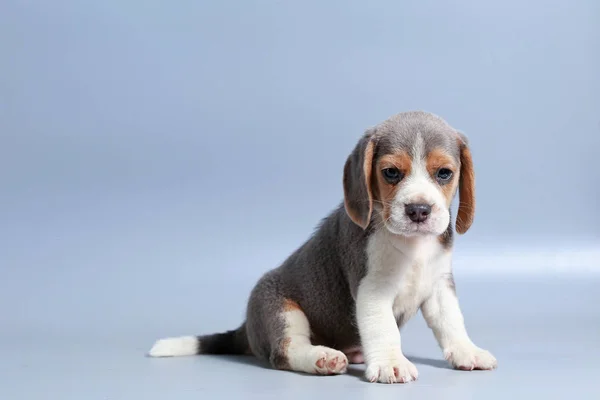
154,155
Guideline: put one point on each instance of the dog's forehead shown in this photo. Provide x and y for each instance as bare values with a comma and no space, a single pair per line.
416,133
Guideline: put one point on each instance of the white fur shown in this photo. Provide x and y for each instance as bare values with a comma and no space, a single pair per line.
443,316
419,187
398,279
402,274
175,346
302,356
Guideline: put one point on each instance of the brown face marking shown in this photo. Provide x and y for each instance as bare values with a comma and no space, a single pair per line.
386,191
437,159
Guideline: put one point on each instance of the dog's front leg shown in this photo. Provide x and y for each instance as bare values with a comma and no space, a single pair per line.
443,315
380,337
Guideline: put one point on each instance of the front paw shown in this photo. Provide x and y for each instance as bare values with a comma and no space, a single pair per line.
399,370
470,357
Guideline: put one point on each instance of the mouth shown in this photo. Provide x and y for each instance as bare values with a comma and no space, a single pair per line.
411,229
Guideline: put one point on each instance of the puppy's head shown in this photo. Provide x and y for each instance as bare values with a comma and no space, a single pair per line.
404,173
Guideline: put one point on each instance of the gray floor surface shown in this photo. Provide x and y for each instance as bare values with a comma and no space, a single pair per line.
545,334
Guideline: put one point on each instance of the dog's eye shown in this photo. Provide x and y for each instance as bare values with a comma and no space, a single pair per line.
392,175
444,174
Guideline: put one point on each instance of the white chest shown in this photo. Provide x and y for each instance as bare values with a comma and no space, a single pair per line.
413,286
405,270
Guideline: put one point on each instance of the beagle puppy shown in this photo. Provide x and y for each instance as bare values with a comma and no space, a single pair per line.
384,253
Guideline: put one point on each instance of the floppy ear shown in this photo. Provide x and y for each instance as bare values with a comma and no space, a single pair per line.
466,188
358,198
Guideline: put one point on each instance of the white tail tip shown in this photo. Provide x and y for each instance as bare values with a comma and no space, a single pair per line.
176,346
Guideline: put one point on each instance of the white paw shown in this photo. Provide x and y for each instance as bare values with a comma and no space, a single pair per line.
400,370
328,361
470,357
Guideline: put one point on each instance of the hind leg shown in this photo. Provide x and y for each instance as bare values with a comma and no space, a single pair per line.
278,331
294,351
355,355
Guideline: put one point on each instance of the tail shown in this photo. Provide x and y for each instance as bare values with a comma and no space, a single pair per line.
230,342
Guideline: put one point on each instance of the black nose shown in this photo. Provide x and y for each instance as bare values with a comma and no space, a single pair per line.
417,212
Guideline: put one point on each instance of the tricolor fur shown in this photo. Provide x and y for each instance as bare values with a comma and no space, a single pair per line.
379,257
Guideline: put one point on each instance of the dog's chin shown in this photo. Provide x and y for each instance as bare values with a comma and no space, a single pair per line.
412,229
